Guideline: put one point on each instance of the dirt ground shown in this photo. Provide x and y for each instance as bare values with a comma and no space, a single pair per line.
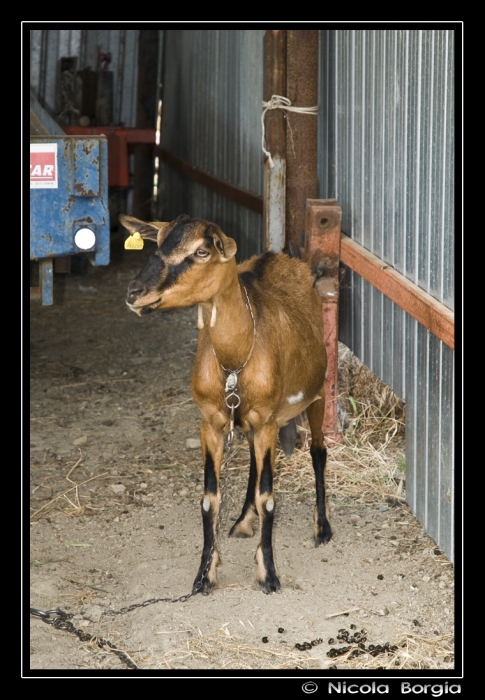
115,516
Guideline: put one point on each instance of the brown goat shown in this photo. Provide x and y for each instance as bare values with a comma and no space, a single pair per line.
260,351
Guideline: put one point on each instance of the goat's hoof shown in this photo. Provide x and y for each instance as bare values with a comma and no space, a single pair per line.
270,585
205,587
323,535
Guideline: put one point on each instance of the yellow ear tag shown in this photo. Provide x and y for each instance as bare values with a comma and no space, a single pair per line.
134,242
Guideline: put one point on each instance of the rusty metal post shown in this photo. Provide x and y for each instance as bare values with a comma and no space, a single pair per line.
274,207
322,252
146,118
301,132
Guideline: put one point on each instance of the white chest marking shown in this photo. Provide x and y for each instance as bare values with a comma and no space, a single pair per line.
295,399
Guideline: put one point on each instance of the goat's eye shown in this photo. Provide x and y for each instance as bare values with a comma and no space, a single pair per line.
202,253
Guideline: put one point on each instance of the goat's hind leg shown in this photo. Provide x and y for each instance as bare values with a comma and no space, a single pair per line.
318,451
212,449
243,527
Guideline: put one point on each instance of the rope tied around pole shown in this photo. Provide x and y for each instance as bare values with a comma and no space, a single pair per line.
279,102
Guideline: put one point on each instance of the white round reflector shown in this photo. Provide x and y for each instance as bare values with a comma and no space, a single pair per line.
84,238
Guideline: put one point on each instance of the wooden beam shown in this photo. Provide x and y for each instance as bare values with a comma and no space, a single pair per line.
431,313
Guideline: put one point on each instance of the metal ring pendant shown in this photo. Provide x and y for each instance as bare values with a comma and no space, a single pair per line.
235,405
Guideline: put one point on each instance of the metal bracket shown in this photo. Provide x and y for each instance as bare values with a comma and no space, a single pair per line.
322,252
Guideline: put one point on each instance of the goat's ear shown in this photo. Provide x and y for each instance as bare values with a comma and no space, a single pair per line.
154,231
226,246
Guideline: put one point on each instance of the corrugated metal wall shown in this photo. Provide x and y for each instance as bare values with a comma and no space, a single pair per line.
47,46
386,155
211,117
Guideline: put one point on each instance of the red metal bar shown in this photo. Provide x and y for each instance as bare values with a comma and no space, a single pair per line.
322,248
132,134
408,296
118,164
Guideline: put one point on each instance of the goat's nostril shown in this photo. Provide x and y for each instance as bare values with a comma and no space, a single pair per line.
135,289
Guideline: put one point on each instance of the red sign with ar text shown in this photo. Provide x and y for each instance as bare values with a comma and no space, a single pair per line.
43,165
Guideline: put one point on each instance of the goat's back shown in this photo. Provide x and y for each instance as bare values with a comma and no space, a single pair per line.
279,287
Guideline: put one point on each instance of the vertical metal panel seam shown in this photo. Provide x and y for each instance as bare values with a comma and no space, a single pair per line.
405,147
414,328
352,178
444,202
373,233
452,480
430,160
440,436
418,161
392,231
382,217
362,199
425,411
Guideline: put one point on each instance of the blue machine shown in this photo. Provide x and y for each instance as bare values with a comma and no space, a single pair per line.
68,196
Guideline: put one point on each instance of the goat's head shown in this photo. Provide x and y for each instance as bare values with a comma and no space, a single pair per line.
188,266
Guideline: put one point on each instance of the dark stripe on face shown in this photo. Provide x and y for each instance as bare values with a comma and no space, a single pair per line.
266,483
150,276
250,276
174,238
176,271
210,481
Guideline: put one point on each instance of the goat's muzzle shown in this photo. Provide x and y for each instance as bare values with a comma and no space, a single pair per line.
136,291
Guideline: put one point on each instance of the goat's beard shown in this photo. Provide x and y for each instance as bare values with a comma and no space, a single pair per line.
143,310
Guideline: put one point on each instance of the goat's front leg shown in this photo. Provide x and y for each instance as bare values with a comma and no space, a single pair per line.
265,448
212,441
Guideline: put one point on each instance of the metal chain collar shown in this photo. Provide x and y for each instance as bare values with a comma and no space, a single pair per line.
231,381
